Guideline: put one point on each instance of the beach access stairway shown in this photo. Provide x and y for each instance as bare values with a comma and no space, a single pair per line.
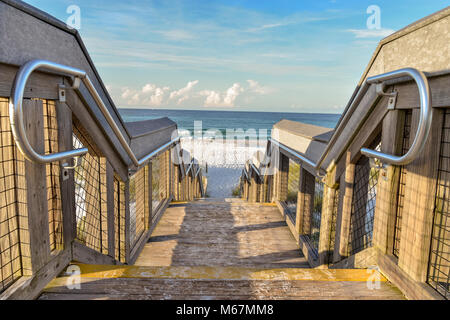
220,249
116,210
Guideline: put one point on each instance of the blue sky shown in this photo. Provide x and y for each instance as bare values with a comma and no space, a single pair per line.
290,56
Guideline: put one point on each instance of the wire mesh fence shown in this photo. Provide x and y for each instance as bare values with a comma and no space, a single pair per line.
439,263
308,184
402,185
53,177
160,174
156,184
139,204
13,206
316,215
119,220
334,213
90,195
293,189
363,203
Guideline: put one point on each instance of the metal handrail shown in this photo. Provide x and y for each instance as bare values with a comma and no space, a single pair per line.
246,175
425,121
190,166
426,118
159,150
256,169
294,153
16,114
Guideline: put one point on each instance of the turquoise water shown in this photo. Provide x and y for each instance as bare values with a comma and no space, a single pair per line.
225,169
229,119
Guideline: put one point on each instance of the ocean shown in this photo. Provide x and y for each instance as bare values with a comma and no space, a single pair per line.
225,161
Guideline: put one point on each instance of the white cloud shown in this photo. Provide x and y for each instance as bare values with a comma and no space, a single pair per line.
232,94
225,99
155,95
255,87
149,87
212,98
184,93
375,33
149,95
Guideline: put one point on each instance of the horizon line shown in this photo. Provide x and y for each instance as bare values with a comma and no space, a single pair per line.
215,110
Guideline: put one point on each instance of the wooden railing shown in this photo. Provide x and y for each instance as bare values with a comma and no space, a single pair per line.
363,213
98,209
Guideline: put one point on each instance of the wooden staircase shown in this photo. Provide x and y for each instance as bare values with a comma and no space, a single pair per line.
219,249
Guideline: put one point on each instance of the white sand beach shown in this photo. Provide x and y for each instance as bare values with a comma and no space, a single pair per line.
225,161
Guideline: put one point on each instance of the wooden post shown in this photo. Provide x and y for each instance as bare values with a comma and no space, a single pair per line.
110,210
253,188
344,212
150,196
247,190
328,210
420,194
283,178
305,202
36,187
64,118
388,183
127,222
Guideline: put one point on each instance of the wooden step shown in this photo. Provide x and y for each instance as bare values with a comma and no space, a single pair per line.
133,282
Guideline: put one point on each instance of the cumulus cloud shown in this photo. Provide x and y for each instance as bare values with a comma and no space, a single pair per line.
255,87
225,99
153,95
149,95
184,93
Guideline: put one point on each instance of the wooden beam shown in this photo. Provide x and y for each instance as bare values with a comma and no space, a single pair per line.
420,194
329,195
412,289
30,287
305,202
84,254
110,210
344,214
36,178
127,222
150,196
388,183
64,118
40,85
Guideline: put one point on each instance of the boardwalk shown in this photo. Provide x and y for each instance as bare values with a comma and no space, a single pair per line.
217,249
220,233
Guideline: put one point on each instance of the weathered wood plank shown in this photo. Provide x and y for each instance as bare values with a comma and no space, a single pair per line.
221,233
412,289
344,213
388,184
420,193
64,116
36,178
30,287
110,210
40,85
84,254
